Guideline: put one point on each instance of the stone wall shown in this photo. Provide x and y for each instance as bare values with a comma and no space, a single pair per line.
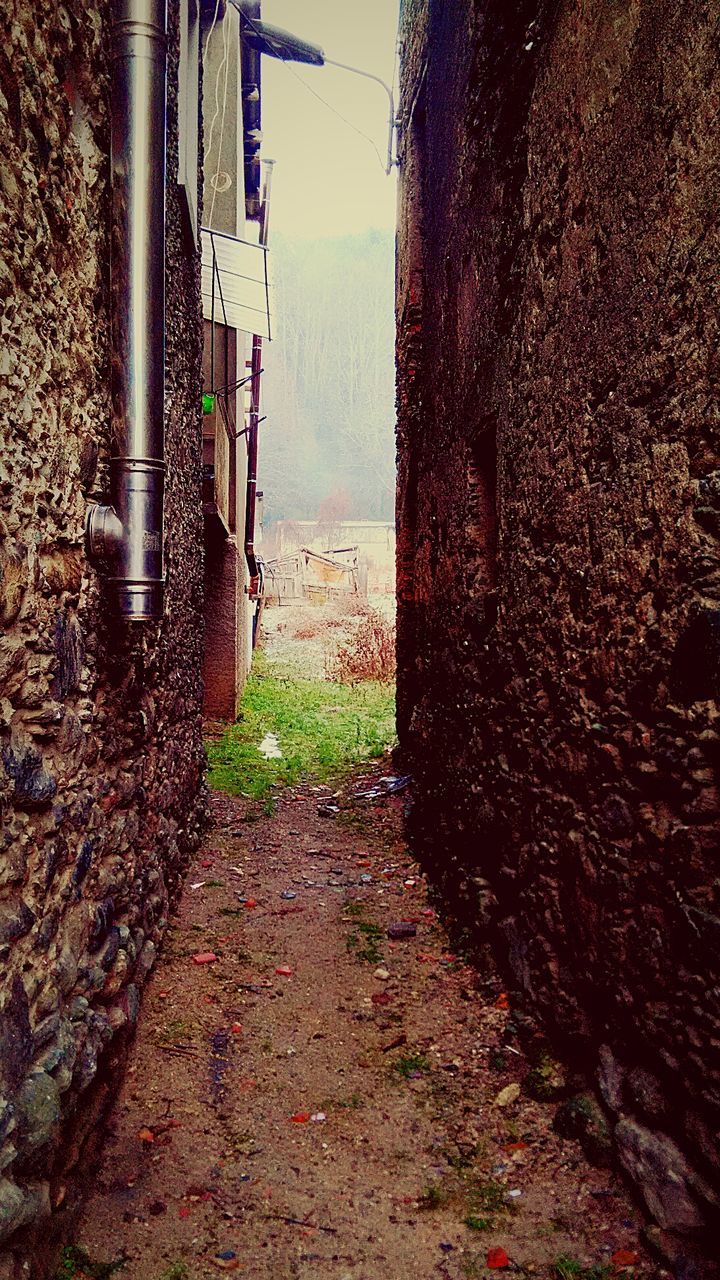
559,513
101,788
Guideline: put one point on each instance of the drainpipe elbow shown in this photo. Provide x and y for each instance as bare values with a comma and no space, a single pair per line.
103,535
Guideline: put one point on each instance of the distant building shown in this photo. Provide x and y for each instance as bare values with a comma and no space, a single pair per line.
373,542
308,575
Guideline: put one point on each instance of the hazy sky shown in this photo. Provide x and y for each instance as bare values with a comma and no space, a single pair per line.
327,180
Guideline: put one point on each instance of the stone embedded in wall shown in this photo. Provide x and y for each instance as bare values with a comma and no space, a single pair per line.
668,1183
16,1044
610,1078
37,1121
21,1205
13,579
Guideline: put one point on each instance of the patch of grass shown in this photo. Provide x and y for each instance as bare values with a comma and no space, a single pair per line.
176,1271
324,730
241,1144
473,1265
433,1197
177,1029
487,1195
363,941
406,1065
214,884
479,1224
567,1268
75,1262
356,909
485,1199
353,1103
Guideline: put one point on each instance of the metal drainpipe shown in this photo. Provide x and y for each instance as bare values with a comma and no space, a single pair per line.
125,538
252,462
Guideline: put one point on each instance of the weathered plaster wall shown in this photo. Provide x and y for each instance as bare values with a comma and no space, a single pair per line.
221,633
100,732
559,512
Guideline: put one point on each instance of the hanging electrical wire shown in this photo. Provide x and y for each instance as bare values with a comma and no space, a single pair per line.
222,123
222,67
258,32
209,36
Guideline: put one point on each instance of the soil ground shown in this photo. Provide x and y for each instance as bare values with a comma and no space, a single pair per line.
319,1100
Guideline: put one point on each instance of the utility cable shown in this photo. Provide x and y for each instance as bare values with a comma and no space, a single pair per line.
337,113
222,122
220,70
209,36
319,96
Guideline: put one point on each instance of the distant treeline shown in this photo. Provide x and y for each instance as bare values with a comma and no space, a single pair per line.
328,387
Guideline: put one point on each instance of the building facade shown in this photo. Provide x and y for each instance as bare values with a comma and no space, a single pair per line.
100,722
236,311
558,519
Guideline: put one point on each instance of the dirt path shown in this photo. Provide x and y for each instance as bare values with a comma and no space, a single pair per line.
322,1101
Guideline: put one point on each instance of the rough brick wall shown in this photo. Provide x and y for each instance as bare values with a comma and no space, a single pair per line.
559,510
221,630
99,731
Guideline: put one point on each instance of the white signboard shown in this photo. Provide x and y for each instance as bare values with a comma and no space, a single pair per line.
235,283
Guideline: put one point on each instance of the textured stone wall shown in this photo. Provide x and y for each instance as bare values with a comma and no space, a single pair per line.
559,513
99,731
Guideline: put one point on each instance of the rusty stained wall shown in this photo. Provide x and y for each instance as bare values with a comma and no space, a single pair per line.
558,522
102,758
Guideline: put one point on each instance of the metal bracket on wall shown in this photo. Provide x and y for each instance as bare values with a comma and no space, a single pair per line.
246,430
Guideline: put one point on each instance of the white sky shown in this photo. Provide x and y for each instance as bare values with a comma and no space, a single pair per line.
328,181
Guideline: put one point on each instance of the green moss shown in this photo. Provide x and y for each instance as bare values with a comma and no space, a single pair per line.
546,1080
324,730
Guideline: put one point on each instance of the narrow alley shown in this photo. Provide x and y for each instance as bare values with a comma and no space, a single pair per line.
360,652
320,1088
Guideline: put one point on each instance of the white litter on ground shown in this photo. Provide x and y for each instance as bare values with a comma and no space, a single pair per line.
270,747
